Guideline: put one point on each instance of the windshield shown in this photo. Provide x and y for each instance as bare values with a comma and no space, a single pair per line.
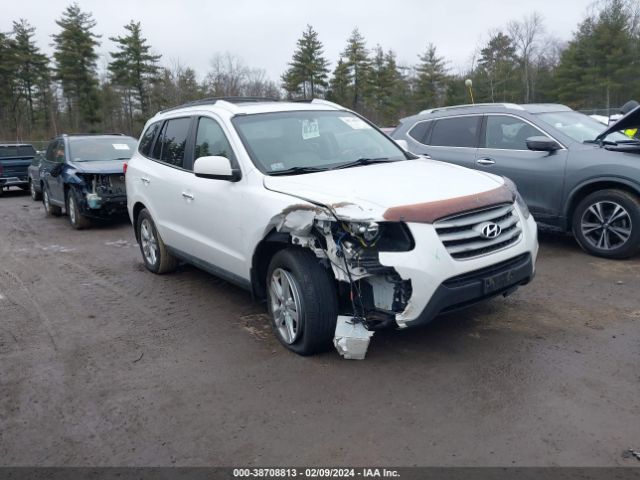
305,141
579,126
89,149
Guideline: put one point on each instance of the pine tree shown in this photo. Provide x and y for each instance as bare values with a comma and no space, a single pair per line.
308,70
384,88
357,61
431,83
496,70
134,68
7,85
600,66
340,85
32,71
75,56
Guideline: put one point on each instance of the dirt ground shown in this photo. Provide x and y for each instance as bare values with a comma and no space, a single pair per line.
103,363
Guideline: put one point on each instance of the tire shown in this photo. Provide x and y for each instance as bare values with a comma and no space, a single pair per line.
155,254
50,209
607,224
35,195
313,301
76,219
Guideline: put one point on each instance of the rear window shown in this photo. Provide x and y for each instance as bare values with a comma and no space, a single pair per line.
147,139
456,132
419,131
17,151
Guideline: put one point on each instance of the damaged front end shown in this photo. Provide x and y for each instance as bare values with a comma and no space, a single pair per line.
101,195
370,294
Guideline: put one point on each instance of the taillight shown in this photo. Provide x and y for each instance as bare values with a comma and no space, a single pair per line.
124,168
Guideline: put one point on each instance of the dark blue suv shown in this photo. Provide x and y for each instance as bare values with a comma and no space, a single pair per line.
84,175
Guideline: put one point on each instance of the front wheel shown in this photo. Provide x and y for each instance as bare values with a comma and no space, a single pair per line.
607,224
302,301
77,220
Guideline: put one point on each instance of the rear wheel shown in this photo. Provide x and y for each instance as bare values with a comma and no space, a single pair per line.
77,220
155,254
607,224
302,301
35,194
53,210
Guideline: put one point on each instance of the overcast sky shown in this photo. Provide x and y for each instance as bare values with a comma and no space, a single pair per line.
264,33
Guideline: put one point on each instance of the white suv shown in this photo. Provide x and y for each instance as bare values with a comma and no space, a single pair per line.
313,208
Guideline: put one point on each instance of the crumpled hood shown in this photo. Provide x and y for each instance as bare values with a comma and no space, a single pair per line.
100,166
630,120
366,192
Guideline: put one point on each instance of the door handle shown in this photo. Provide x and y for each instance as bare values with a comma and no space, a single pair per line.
145,180
485,161
187,195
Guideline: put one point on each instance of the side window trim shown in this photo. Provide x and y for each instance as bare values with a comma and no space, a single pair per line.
234,161
543,132
428,134
188,151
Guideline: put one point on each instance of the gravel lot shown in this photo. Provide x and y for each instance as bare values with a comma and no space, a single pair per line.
103,363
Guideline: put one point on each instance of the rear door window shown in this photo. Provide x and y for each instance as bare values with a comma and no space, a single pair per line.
171,144
456,132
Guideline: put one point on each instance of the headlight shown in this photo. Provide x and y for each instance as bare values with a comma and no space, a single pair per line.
523,206
385,236
519,200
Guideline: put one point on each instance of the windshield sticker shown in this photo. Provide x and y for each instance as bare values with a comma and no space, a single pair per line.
120,146
356,123
277,166
310,129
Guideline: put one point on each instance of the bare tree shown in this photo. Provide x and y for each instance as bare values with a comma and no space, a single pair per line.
526,36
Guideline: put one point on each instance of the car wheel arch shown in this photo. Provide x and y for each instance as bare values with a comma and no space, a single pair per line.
271,244
137,208
593,185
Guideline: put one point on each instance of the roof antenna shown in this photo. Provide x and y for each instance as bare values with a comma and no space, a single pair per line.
469,84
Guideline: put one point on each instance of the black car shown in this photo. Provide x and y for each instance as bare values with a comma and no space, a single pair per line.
84,175
575,174
14,161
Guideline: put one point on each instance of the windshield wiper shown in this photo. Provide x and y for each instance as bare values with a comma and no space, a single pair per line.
297,170
364,161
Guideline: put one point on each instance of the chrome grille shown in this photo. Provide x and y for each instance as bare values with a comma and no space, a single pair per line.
461,234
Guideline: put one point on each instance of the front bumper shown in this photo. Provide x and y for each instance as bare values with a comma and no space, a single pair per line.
473,287
13,181
441,283
106,207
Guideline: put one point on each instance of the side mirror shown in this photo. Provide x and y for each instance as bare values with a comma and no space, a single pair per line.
55,171
216,167
542,144
403,144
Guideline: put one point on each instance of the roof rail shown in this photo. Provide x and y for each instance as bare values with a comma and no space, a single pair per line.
214,100
513,106
90,134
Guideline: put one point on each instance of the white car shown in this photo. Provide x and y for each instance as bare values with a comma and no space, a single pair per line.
310,207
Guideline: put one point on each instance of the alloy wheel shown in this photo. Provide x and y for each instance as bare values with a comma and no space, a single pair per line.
606,225
286,306
148,242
